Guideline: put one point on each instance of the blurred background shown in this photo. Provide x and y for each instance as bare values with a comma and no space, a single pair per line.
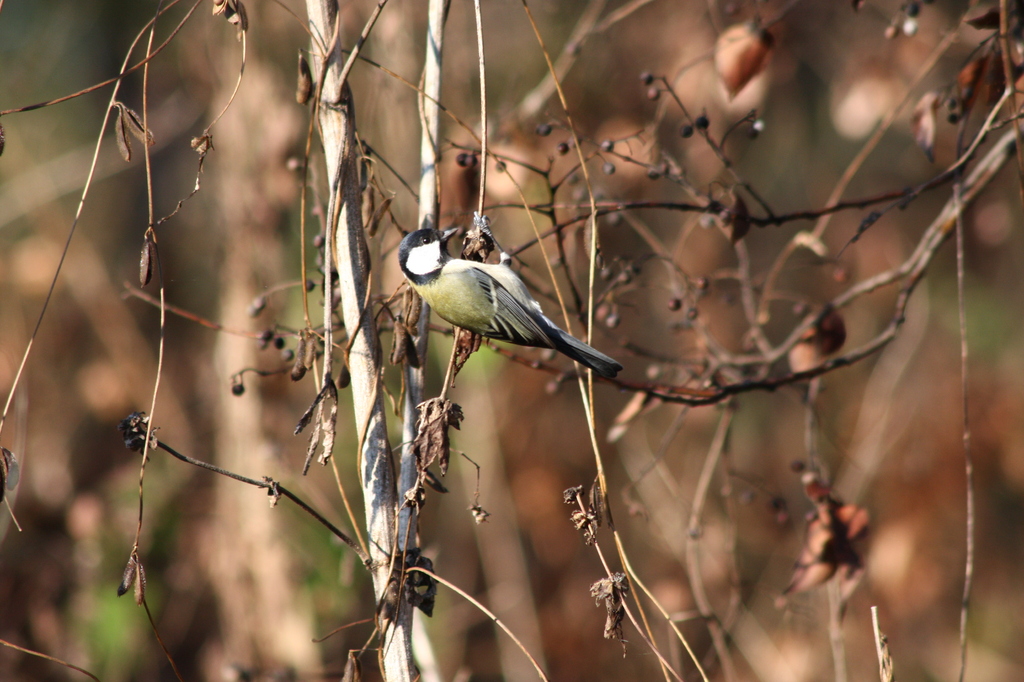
239,590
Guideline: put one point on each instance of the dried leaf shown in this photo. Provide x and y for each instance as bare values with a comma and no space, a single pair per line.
243,17
431,443
598,504
466,343
134,123
10,472
420,588
739,218
353,668
305,355
304,87
831,332
431,479
988,20
969,80
378,214
479,514
411,309
584,520
478,244
147,258
741,52
823,339
612,591
828,550
399,347
124,143
236,14
922,123
202,144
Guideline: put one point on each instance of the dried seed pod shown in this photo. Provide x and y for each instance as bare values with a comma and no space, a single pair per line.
147,258
2,140
124,143
304,87
127,577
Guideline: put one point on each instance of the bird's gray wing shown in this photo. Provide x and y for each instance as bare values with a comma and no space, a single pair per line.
513,320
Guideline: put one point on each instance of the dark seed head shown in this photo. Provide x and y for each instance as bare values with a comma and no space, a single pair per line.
543,129
646,77
238,389
686,131
279,342
653,93
701,122
563,148
608,168
607,146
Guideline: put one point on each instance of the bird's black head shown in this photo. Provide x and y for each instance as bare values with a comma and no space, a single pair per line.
423,253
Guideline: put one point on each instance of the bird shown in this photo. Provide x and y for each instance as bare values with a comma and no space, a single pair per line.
487,298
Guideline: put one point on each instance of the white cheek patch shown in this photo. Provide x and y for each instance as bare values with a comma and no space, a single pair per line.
424,259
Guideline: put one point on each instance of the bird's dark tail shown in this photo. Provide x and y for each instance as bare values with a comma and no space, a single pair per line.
585,355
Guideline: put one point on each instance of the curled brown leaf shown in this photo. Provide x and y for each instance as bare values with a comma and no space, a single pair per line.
828,548
742,51
612,591
431,443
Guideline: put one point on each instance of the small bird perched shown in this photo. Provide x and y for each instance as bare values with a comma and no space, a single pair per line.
487,299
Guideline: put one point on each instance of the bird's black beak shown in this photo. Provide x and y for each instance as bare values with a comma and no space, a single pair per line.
448,234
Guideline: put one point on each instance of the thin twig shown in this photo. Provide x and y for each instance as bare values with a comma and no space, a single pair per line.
47,657
483,105
966,425
160,641
274,488
124,70
1010,75
487,612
